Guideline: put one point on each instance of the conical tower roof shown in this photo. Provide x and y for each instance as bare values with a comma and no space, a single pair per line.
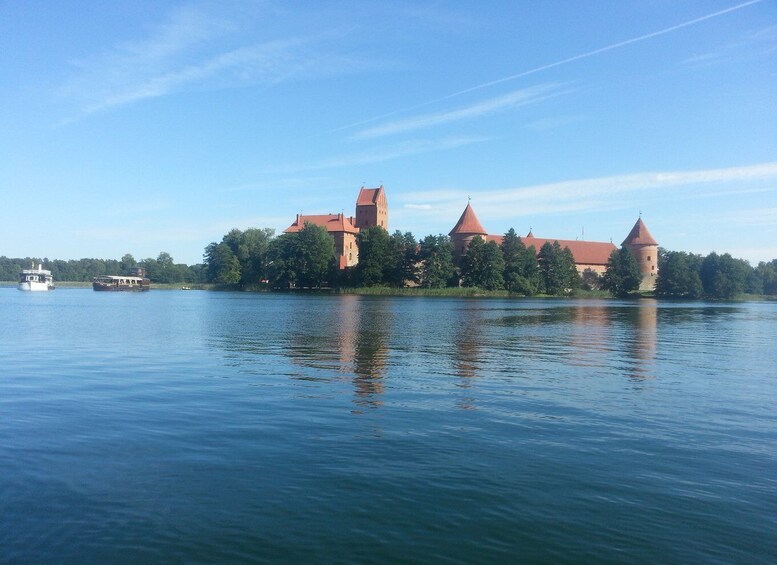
639,235
468,224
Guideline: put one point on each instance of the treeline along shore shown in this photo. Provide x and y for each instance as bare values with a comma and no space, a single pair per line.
162,270
257,259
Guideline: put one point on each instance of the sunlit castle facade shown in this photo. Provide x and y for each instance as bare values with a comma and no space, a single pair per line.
592,255
371,210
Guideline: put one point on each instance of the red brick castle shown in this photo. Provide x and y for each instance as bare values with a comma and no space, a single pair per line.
372,210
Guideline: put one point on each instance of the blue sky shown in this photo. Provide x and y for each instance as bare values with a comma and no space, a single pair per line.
139,127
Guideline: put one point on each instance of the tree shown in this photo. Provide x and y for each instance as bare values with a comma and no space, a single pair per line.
127,262
483,265
722,276
162,268
85,269
436,255
572,276
281,260
222,265
250,249
764,278
591,280
253,254
472,262
552,268
315,255
521,272
678,275
375,257
622,276
404,268
529,281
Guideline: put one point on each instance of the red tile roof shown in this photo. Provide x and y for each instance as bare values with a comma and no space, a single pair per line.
468,223
639,235
332,223
368,196
584,252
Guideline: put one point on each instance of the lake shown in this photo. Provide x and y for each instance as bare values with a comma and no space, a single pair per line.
195,426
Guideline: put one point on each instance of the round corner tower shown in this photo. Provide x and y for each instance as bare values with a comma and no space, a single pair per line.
645,251
464,232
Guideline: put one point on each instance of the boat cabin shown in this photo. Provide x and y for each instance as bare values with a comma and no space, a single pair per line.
120,282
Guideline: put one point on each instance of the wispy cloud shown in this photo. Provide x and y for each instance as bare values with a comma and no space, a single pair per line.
559,63
595,194
483,108
754,217
383,153
754,44
195,49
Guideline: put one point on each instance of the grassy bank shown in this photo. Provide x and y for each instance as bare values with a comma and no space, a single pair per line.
181,286
457,292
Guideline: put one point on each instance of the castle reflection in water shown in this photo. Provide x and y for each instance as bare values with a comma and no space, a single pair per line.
365,342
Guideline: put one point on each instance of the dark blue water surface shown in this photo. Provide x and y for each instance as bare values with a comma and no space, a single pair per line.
230,427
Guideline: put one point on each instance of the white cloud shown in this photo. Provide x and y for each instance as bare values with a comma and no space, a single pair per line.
196,49
595,194
483,108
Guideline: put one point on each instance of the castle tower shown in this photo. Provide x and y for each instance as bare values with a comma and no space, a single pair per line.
464,232
645,250
371,208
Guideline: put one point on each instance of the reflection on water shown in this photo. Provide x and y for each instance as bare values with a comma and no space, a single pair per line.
370,337
271,428
643,340
327,341
354,339
467,350
467,342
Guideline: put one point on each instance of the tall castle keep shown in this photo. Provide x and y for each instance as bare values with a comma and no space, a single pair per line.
372,210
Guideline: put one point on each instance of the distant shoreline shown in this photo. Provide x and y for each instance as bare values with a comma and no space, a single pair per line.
448,292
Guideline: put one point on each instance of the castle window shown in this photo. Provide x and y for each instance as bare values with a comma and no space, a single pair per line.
648,257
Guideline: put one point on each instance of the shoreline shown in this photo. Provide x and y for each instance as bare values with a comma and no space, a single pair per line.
448,292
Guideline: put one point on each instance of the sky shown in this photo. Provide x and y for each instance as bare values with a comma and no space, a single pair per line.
143,126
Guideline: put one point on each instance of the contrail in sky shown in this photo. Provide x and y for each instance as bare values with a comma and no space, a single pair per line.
561,62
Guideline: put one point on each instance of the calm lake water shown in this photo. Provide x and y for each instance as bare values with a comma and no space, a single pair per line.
229,427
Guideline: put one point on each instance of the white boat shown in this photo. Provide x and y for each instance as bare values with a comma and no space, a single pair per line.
36,279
